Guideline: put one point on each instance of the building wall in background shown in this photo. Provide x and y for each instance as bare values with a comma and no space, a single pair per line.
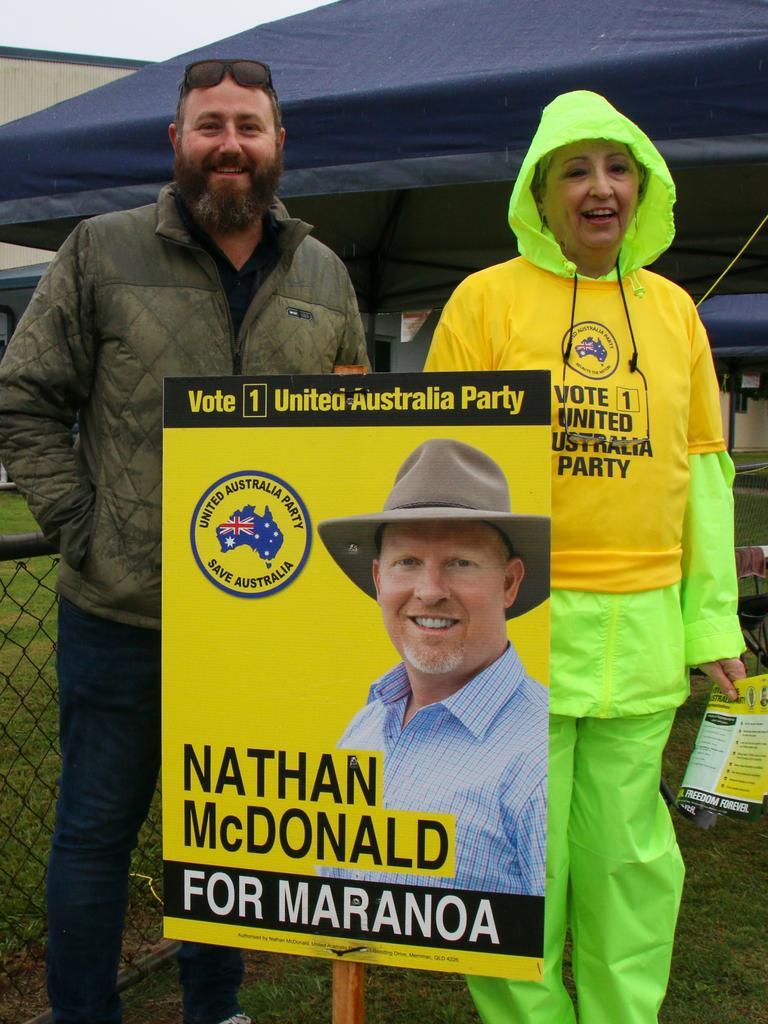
752,426
31,80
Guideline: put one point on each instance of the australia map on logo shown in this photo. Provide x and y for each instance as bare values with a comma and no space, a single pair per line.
247,527
592,347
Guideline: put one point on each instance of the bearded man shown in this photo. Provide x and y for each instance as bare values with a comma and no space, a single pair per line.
213,279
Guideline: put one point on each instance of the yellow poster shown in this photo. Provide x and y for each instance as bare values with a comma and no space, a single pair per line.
355,667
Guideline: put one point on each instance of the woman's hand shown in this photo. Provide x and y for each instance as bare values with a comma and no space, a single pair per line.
723,672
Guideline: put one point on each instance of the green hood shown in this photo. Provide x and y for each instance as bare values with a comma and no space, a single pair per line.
585,115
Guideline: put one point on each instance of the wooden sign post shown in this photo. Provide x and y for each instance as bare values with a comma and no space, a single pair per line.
348,993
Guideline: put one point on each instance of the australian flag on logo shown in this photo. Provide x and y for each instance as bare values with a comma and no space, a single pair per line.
592,347
260,533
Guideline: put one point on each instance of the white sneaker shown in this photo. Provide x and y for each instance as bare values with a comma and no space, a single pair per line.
238,1018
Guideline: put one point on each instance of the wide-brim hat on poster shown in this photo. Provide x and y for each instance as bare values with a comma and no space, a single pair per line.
450,481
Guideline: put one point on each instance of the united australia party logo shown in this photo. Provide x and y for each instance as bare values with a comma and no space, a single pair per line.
594,350
251,534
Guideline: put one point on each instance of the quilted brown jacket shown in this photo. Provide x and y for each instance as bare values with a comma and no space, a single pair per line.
129,299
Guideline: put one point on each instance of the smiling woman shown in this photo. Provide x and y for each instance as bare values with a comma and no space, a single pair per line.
642,540
587,199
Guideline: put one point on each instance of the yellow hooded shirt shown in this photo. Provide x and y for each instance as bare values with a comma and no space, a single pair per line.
642,565
617,508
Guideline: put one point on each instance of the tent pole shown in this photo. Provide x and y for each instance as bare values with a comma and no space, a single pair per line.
377,264
370,341
732,407
373,306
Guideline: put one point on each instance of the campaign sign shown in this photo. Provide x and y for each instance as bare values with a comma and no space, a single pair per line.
355,666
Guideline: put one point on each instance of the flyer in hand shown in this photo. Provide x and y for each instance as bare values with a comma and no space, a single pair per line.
728,769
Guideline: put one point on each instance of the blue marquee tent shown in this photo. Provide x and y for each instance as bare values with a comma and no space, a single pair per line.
407,122
737,326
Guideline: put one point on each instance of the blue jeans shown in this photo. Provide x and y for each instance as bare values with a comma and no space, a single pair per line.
109,696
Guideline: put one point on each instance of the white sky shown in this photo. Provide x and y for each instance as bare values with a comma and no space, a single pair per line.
139,29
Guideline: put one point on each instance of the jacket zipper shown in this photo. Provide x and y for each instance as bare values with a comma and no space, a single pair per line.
610,643
237,359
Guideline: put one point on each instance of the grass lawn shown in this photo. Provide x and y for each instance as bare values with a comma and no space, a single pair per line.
750,458
15,517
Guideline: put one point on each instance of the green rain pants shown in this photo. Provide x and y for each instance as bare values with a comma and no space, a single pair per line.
614,876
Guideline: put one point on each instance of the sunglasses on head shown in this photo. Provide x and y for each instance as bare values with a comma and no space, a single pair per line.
204,74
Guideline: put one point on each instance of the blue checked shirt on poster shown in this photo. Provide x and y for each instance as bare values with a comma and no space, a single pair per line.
480,755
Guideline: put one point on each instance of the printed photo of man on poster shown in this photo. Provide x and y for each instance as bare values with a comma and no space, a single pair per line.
462,727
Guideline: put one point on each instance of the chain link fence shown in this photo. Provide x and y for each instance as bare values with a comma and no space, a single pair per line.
29,764
750,492
750,495
751,513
